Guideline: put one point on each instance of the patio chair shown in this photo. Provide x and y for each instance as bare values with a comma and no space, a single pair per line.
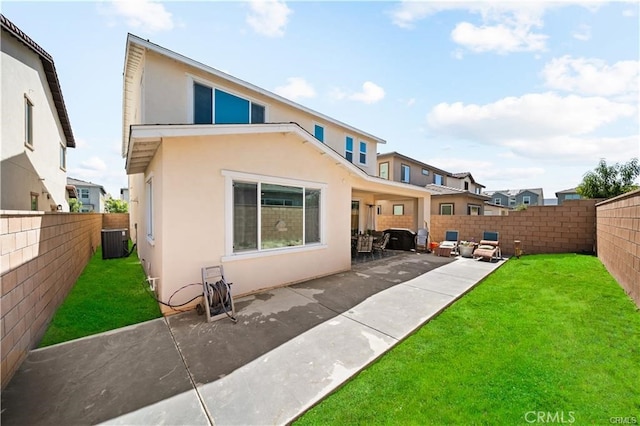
381,244
489,247
365,244
450,241
422,239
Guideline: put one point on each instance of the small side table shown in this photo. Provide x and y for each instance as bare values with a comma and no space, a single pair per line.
443,251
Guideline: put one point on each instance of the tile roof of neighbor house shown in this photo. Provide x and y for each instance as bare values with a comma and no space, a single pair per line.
447,190
51,74
78,182
135,53
469,175
425,165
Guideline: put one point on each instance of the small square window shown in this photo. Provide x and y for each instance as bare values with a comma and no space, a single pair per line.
446,209
398,209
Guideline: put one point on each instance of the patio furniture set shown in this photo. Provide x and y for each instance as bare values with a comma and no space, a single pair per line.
487,249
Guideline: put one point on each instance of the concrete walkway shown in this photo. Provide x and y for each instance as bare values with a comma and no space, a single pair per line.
291,347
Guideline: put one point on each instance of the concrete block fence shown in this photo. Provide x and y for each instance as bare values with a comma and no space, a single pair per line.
618,225
42,256
569,228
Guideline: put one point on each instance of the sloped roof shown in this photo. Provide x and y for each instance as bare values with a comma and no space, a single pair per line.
407,158
50,72
78,182
447,190
568,191
514,192
463,175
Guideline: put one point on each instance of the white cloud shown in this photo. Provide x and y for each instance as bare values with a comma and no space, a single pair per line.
537,125
94,163
371,93
500,38
296,88
269,17
583,33
592,76
145,15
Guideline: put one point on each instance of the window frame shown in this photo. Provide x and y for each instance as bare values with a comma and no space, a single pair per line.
347,151
400,208
435,179
526,200
497,201
317,126
192,80
149,210
34,198
385,163
402,168
425,172
28,122
234,176
63,157
447,205
474,207
362,152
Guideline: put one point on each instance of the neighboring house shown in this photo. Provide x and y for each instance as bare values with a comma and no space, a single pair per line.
447,201
516,197
222,172
91,195
567,194
451,193
124,194
36,131
491,209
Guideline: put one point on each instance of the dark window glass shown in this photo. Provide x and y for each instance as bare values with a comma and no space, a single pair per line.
257,114
245,216
231,109
202,104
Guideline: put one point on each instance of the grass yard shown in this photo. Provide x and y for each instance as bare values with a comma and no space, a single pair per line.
545,339
109,294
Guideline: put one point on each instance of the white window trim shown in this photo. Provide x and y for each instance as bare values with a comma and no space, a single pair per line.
526,199
353,141
425,172
366,152
149,216
402,166
29,145
446,204
497,201
324,131
379,174
230,177
394,209
63,151
196,79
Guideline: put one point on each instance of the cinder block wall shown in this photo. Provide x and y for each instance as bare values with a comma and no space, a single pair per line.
42,256
387,221
618,222
115,221
570,228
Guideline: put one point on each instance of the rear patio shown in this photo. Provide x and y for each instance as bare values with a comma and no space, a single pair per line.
181,369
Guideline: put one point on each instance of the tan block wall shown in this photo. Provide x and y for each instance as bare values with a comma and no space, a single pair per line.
386,221
43,255
618,222
570,228
115,221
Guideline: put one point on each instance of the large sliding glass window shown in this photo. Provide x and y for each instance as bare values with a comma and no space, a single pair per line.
289,216
217,106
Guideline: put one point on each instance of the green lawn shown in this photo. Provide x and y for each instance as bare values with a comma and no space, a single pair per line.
548,334
109,294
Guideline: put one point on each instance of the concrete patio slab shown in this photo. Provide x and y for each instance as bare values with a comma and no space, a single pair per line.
97,378
182,409
278,386
399,310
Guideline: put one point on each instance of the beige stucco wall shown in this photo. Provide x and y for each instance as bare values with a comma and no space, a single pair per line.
168,99
26,170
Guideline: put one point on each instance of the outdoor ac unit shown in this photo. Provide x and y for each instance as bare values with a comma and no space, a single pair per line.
115,243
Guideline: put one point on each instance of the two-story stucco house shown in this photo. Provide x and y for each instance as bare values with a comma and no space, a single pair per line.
517,197
36,131
567,194
222,172
91,195
451,193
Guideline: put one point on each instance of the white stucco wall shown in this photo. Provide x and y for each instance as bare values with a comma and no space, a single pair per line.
26,170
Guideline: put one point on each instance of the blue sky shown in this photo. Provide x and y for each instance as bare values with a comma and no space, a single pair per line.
520,95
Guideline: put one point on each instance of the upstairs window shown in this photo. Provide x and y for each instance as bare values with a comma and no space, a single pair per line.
28,122
383,170
526,200
446,209
425,172
405,173
466,186
217,106
497,201
63,156
348,148
512,201
84,193
318,132
363,153
438,179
